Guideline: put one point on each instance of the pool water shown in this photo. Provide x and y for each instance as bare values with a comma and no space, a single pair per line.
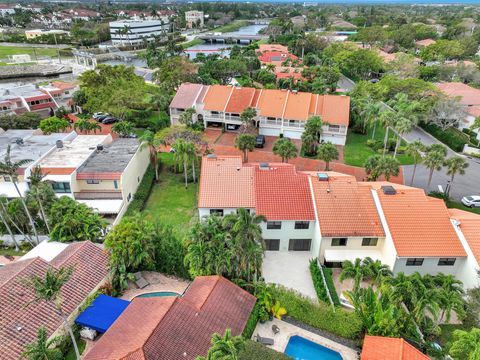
158,293
300,348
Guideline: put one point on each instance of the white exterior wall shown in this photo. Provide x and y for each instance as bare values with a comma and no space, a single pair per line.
133,173
202,212
288,232
353,244
429,266
337,139
268,131
138,30
467,272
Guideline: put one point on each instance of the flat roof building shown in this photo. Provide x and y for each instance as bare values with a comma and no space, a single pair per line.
133,32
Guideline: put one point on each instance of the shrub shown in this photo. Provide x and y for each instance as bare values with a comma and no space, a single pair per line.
143,192
252,322
375,144
453,138
401,150
331,286
321,316
318,282
254,350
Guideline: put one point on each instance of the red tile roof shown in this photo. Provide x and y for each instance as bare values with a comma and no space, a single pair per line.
469,224
276,56
420,225
282,193
425,42
272,47
176,328
18,322
468,95
240,99
344,208
186,96
225,183
385,348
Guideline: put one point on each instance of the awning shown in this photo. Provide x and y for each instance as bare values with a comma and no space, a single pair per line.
102,313
104,206
351,255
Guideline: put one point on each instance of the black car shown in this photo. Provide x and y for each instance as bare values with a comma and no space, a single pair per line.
259,141
109,120
100,118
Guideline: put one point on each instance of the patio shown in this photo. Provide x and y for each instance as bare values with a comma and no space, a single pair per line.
288,330
289,269
158,282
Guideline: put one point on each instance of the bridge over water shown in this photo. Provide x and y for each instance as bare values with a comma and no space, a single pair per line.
231,38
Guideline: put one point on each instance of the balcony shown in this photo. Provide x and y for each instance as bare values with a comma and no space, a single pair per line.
98,195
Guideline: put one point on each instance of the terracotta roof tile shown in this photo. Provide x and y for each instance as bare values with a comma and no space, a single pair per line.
344,208
272,47
297,106
385,348
186,96
470,228
181,328
225,183
90,269
217,97
282,193
240,99
333,109
468,95
272,102
420,225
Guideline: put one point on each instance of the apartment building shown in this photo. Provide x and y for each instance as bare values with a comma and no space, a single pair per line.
34,33
194,19
334,217
134,32
278,111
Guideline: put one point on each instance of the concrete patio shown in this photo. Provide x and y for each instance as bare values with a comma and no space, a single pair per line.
289,269
288,330
158,282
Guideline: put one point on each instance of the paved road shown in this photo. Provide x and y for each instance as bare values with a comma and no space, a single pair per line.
463,185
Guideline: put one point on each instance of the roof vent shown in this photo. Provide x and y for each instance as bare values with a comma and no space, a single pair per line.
264,166
211,156
99,147
389,190
19,141
322,177
59,144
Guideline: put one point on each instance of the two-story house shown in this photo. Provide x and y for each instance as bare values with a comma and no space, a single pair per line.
279,112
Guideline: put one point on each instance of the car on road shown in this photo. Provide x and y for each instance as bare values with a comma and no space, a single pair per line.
259,141
471,201
109,120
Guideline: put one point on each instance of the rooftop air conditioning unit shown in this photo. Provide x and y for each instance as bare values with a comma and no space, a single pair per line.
59,144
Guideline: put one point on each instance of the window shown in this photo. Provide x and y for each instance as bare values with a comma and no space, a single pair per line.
302,225
415,262
7,178
369,241
115,184
274,225
334,128
218,212
299,244
247,210
446,261
93,182
272,244
61,187
339,242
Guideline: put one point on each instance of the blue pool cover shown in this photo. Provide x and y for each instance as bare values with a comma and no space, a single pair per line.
102,313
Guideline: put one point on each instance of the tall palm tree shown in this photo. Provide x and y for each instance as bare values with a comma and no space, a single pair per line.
148,139
433,160
40,191
450,292
49,289
245,143
270,67
43,348
455,165
356,271
387,119
285,148
10,168
160,101
183,152
3,218
415,149
246,225
402,126
375,270
10,221
371,111
226,347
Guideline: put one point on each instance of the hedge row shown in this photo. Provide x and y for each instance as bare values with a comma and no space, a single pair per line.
252,322
321,316
143,192
318,282
331,286
453,138
257,351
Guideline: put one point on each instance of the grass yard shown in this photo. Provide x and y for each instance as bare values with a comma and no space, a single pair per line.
5,51
458,205
356,151
170,202
12,252
192,43
71,353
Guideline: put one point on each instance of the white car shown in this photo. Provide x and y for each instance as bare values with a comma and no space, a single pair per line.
471,201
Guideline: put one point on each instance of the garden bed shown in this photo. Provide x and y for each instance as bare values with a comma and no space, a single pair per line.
453,138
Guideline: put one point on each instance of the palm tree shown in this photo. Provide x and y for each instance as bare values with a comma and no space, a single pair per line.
450,292
85,125
10,168
49,289
327,152
270,67
378,165
245,225
402,126
160,101
226,347
387,119
43,349
415,149
455,165
285,148
245,143
148,139
371,111
375,270
183,152
466,344
41,191
433,160
3,218
356,271
390,167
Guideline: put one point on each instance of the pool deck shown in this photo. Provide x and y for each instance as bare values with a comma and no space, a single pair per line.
158,282
288,330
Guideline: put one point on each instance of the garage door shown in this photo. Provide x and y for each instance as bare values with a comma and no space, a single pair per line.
334,139
269,131
299,244
292,134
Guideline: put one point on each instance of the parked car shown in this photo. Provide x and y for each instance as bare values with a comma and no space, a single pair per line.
471,201
109,120
100,116
260,141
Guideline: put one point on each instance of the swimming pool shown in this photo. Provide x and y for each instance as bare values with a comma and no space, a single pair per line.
158,293
300,348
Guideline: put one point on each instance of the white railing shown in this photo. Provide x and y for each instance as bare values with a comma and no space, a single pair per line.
295,124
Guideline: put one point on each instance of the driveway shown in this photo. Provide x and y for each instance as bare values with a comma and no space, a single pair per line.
295,276
467,184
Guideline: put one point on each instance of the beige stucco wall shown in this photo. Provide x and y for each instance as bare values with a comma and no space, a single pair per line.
133,173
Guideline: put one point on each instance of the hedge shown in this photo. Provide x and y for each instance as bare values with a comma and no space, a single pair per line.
453,138
251,323
143,192
318,282
331,286
321,316
257,351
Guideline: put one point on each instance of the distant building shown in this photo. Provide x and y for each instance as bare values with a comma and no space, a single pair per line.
32,34
134,32
194,19
7,9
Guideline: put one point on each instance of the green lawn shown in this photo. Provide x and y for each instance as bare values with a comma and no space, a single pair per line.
71,353
458,205
356,151
170,202
11,252
192,43
5,51
234,26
